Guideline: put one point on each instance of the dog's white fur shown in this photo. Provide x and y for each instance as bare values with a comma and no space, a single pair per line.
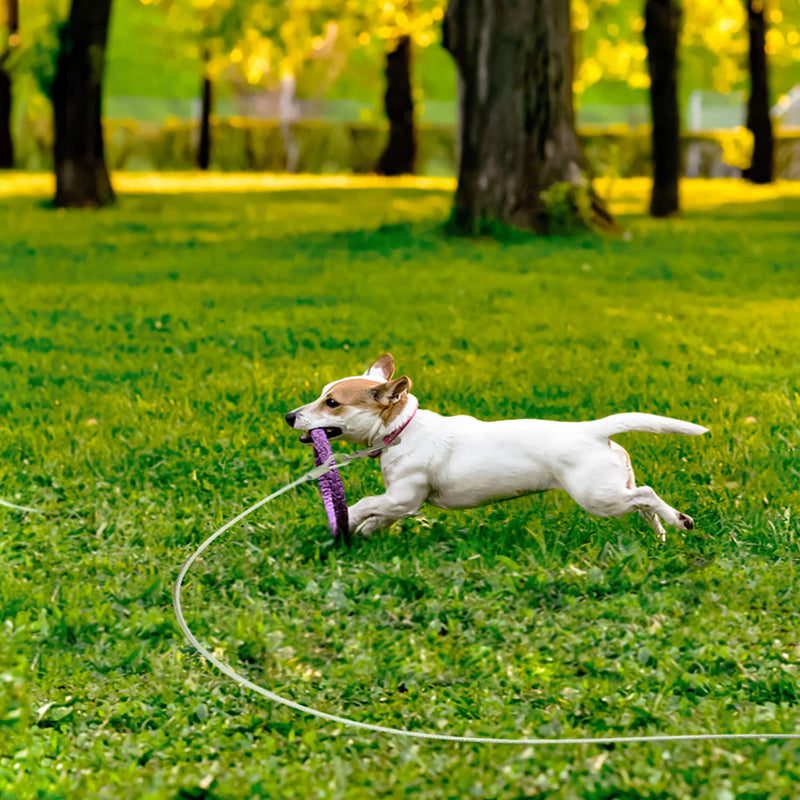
462,462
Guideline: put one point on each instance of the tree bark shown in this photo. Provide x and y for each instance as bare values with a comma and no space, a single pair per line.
206,110
81,175
399,156
6,86
761,169
6,139
661,32
517,119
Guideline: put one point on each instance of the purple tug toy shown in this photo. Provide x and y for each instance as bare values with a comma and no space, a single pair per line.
331,489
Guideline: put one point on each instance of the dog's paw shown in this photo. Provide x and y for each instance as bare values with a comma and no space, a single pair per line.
685,522
368,526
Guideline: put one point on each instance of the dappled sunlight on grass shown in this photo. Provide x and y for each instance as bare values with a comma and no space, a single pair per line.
35,184
632,195
627,196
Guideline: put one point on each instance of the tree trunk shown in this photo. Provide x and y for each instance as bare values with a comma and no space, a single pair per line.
401,150
661,31
6,86
517,120
6,140
81,174
288,115
206,110
761,169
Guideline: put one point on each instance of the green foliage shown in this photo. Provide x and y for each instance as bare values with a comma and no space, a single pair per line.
612,57
241,144
567,208
148,355
35,59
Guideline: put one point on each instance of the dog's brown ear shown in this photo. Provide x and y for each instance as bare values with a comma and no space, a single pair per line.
389,393
382,369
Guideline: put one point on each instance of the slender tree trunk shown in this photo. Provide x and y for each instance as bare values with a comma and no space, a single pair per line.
6,140
81,174
761,169
288,115
517,120
661,32
206,110
6,86
400,154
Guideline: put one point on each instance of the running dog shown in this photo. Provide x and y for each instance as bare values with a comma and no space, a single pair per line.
463,462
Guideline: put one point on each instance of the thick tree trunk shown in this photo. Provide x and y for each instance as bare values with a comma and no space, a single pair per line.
6,140
401,150
517,136
761,168
81,174
206,110
11,19
661,32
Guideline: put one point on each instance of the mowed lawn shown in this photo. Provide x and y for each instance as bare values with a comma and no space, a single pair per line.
147,355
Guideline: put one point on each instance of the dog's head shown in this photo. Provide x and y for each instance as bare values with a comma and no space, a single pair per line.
355,409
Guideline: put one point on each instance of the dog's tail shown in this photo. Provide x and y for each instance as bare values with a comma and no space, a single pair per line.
647,423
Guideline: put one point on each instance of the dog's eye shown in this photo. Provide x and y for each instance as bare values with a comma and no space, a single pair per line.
331,403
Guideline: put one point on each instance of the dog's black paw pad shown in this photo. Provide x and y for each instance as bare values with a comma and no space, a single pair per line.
686,522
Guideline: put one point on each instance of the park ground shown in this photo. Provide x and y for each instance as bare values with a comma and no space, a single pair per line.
148,353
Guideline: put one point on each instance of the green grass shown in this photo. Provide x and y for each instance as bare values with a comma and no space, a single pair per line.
148,355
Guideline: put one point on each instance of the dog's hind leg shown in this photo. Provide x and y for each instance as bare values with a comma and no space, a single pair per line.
626,460
649,517
644,500
605,486
655,523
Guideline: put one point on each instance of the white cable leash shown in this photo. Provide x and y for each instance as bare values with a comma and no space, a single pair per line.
344,460
20,508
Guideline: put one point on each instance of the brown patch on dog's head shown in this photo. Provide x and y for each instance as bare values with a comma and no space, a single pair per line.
350,408
385,399
353,392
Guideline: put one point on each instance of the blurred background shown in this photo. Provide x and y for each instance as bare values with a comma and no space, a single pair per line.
240,85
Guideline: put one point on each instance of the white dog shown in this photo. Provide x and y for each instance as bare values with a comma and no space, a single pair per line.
462,462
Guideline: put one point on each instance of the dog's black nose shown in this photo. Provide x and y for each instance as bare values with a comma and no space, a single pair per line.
290,418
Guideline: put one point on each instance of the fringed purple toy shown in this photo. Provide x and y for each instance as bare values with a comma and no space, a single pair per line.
331,488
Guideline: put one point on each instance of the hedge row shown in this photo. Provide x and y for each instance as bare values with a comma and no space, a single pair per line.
251,145
322,147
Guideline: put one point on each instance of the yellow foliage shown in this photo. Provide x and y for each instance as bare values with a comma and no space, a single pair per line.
737,147
617,59
715,39
392,20
775,41
590,71
580,15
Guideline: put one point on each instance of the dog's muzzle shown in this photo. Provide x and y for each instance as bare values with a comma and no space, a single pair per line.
331,433
305,436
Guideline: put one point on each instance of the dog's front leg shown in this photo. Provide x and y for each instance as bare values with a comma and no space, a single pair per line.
371,513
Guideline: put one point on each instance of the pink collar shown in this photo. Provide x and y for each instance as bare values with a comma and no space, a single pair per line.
390,437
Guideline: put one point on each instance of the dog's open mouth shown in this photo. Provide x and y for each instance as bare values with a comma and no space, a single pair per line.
331,433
